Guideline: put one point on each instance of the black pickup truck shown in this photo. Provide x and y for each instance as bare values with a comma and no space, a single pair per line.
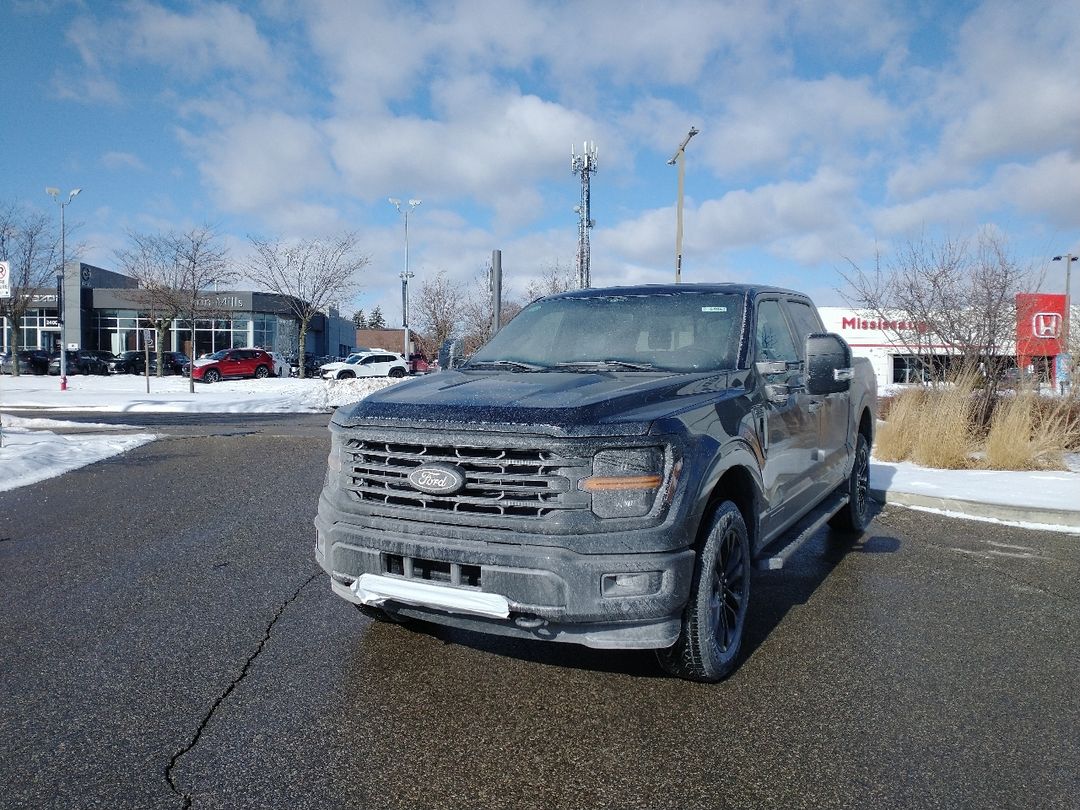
605,471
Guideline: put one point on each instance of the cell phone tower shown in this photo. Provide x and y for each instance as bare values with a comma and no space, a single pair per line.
584,165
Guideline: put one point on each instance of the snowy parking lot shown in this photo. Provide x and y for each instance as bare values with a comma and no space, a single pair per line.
36,448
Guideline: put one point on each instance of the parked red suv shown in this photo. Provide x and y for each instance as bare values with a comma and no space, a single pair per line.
233,363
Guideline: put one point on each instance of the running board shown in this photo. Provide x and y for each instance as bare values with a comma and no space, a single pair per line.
811,522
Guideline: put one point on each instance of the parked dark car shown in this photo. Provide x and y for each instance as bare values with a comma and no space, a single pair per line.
129,362
82,361
31,361
173,362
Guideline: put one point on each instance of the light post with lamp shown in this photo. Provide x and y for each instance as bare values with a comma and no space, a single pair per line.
406,275
1063,379
679,159
54,192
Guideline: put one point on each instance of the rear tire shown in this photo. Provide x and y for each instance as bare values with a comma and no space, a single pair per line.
854,517
397,372
262,372
715,616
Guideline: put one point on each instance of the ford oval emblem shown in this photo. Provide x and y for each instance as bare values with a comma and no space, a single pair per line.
437,479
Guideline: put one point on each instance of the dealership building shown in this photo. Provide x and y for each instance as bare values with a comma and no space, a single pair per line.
105,310
1038,344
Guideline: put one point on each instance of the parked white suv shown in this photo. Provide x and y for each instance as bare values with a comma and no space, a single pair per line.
372,363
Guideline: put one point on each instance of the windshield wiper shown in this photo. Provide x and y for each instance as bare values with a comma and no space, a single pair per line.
512,365
600,364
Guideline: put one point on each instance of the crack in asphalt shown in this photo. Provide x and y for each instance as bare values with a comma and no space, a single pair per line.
169,776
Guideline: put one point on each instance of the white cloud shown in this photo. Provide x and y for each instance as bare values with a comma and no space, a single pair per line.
122,160
262,161
794,122
809,221
490,148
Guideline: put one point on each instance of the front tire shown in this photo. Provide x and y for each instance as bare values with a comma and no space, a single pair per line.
854,517
715,616
212,376
346,375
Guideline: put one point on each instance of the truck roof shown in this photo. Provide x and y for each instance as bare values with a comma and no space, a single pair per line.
751,290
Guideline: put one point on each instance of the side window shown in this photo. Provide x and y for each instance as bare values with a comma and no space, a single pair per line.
806,322
773,337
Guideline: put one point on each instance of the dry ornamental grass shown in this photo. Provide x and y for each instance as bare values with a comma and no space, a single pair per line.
935,427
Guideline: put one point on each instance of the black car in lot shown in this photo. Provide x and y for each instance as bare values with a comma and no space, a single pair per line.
31,361
172,362
134,362
82,361
129,362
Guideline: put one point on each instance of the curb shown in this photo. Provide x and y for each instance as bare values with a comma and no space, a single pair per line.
1051,518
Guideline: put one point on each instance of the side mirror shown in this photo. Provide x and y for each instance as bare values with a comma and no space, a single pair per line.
451,355
828,364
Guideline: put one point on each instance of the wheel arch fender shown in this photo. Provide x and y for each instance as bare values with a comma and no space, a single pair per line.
733,475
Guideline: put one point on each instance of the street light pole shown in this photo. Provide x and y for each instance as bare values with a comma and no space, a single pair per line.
1068,258
54,192
679,158
406,275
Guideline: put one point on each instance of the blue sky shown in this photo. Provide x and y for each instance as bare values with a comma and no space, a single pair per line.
830,129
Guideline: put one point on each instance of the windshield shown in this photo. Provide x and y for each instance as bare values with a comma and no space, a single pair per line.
218,355
672,332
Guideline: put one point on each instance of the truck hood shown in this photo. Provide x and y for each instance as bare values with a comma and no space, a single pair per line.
559,403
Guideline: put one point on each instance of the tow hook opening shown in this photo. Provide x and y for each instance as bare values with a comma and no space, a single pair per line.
529,621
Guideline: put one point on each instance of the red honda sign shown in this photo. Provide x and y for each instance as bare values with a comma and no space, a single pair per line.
1039,319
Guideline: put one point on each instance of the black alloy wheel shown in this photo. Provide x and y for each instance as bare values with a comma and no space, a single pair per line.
854,516
715,616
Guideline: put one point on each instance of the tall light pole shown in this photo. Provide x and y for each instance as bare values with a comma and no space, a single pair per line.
1068,258
54,192
679,159
406,275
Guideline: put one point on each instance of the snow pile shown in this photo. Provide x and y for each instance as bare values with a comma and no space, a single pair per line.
30,455
127,394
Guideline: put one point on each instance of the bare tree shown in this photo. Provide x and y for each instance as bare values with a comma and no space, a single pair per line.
438,312
176,272
312,274
554,279
949,293
29,244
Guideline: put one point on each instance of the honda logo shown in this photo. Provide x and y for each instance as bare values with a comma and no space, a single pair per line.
1046,325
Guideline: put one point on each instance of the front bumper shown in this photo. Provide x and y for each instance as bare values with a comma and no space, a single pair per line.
549,592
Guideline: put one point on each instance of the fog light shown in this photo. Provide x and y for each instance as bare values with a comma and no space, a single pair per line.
639,583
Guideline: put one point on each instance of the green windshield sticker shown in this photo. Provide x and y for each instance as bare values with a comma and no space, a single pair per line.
714,309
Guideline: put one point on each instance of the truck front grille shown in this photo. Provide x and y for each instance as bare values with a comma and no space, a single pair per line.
499,481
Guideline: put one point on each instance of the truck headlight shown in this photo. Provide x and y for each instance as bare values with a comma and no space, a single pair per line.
334,460
624,483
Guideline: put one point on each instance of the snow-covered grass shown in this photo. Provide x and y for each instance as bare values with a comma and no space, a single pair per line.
33,451
124,393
